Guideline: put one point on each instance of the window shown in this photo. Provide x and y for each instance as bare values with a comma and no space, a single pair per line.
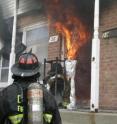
4,66
37,37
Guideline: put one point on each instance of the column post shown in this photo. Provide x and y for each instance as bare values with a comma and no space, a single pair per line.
12,54
95,60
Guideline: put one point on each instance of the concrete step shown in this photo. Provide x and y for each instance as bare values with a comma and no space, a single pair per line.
77,117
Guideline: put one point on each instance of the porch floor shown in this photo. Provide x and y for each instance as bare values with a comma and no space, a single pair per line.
86,117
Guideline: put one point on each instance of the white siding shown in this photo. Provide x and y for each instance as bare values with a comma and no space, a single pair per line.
24,6
7,7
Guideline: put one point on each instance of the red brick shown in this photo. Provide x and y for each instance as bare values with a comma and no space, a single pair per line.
108,61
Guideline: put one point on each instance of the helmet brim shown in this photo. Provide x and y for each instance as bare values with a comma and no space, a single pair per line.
23,72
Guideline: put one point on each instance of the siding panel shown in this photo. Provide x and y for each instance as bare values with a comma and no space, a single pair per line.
7,7
24,6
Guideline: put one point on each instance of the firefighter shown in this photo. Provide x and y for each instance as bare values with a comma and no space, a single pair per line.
55,79
13,99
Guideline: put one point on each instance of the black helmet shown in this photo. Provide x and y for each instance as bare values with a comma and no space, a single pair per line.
27,65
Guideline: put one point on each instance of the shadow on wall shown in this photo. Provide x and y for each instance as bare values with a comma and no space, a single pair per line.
83,73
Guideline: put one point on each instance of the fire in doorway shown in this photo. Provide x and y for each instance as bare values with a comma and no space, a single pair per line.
65,18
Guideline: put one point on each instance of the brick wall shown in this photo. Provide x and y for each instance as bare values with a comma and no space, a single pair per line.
108,58
53,50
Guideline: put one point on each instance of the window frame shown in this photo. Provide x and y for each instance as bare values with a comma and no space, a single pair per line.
32,27
3,84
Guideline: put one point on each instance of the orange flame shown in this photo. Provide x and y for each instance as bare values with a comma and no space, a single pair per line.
70,26
74,38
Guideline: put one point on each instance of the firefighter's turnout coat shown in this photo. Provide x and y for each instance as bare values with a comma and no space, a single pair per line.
13,105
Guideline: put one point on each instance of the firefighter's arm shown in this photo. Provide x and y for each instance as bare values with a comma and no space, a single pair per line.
51,106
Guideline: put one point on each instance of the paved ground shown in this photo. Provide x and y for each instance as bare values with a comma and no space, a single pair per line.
77,117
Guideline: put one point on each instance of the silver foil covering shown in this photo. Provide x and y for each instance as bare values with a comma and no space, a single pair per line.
70,71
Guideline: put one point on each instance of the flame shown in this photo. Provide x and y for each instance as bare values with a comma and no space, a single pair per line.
74,38
72,28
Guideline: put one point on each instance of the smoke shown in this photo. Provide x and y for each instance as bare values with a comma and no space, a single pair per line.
4,33
71,18
106,3
83,9
6,27
5,36
60,10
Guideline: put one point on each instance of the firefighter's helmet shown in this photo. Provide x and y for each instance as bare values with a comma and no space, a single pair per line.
28,65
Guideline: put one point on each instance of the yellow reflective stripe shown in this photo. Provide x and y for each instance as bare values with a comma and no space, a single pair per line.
48,117
16,119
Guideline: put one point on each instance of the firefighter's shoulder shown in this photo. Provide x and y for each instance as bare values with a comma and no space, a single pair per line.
11,94
10,90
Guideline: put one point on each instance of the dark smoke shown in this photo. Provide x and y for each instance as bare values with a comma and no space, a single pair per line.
6,27
61,10
80,8
106,3
5,35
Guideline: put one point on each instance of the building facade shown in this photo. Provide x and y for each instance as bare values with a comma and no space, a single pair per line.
33,25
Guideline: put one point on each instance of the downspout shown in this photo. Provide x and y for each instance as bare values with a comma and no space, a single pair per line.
95,60
12,54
